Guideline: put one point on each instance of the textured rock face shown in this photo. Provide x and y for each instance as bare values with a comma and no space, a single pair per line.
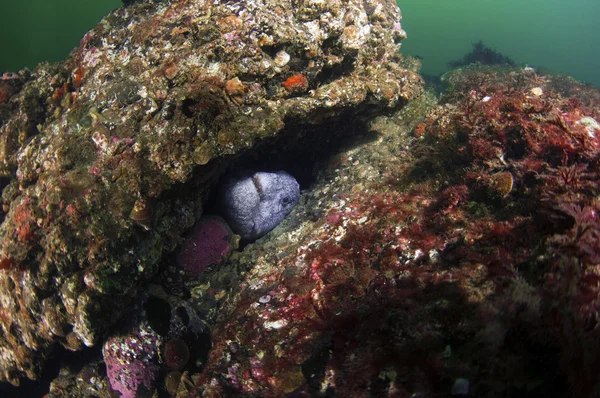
156,95
432,260
418,262
130,361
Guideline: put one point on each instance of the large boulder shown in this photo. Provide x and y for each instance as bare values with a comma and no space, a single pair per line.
107,157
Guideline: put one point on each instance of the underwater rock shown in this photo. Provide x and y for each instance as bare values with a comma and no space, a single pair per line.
132,361
482,54
164,333
450,241
210,243
176,353
102,153
420,267
255,204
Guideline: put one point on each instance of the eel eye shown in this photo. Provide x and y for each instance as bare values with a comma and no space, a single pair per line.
285,200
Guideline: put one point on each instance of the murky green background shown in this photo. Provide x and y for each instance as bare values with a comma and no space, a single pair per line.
32,31
559,35
555,34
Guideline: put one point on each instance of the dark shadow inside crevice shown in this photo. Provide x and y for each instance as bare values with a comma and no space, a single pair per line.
298,150
74,361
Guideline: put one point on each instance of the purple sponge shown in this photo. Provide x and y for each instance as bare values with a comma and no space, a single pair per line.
210,243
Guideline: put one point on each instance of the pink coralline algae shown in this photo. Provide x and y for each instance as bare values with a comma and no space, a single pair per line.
131,361
210,243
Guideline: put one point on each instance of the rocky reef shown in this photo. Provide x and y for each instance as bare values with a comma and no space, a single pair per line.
448,249
440,246
108,157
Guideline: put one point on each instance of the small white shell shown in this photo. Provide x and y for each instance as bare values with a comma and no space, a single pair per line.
281,58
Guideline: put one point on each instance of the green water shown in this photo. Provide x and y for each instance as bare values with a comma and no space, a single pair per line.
32,31
558,35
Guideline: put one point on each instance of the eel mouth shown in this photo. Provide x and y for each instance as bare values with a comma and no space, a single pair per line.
258,186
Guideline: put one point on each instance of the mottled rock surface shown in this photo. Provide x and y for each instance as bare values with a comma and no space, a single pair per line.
130,361
449,246
107,157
